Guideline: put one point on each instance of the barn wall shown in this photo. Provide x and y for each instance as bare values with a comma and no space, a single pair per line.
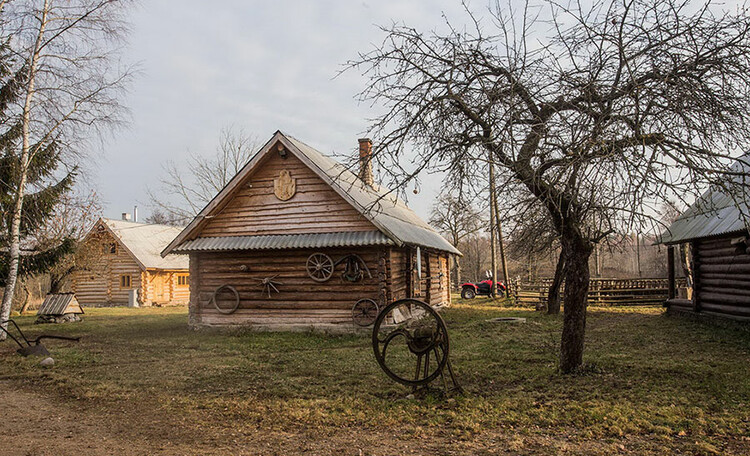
722,285
99,283
301,300
314,208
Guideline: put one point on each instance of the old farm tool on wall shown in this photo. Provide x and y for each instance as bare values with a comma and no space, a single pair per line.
319,267
28,347
364,312
411,344
355,268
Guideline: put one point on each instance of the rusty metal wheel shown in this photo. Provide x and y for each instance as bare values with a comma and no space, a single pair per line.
226,310
364,312
319,267
410,342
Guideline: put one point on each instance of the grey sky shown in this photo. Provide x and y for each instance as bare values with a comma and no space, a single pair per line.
259,66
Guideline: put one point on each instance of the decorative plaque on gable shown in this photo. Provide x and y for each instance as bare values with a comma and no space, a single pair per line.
284,186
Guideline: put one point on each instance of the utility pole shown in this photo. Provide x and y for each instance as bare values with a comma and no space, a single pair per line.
493,239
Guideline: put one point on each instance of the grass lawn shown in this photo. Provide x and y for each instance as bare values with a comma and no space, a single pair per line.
653,385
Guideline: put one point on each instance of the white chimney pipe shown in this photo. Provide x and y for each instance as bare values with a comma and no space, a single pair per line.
135,213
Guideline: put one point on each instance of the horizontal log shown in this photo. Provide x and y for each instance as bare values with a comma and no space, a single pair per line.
726,268
725,276
725,309
706,288
721,282
719,252
736,259
723,298
726,316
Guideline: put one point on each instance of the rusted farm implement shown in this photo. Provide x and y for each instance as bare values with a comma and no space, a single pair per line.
32,347
411,345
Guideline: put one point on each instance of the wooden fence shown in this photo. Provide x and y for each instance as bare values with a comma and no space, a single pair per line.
602,292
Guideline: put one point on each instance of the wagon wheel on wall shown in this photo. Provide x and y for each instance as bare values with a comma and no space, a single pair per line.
319,267
226,310
364,312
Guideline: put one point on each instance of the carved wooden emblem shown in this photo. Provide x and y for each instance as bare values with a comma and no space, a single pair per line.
285,186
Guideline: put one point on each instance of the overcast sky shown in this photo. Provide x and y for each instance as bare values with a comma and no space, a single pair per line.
255,65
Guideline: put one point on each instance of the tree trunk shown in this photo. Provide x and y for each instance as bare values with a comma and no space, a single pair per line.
577,252
553,296
457,275
685,263
14,250
25,305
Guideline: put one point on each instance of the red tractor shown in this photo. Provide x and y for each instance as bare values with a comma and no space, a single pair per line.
471,290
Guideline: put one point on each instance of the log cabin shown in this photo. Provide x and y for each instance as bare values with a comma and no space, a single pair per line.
716,228
118,258
297,241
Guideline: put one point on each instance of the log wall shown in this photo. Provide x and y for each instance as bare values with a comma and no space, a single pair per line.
99,284
314,208
722,285
301,300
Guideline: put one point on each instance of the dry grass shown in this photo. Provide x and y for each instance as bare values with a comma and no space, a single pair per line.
653,384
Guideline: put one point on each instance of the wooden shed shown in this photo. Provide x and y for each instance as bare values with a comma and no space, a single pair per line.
119,257
716,227
296,240
59,308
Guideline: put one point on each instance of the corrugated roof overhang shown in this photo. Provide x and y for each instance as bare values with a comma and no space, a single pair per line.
284,241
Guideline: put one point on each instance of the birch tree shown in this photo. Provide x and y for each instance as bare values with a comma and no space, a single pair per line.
71,88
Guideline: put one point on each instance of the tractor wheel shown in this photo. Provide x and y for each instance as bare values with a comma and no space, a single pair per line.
468,293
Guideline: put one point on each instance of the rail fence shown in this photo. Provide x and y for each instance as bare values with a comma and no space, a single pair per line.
602,292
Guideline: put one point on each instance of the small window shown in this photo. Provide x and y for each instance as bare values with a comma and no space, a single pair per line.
125,281
183,280
110,248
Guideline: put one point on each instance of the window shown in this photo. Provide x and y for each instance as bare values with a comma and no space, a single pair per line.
183,280
110,248
125,281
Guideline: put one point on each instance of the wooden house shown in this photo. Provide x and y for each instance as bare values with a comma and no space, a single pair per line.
716,227
119,258
296,240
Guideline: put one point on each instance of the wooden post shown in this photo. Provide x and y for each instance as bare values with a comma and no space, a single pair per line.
493,237
670,273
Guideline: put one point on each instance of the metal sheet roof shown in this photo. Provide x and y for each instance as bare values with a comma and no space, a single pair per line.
60,304
717,211
146,241
284,241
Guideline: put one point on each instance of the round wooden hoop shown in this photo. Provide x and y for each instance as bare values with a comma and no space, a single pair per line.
236,300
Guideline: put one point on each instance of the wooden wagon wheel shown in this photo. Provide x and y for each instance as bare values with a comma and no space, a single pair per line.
229,310
364,312
319,267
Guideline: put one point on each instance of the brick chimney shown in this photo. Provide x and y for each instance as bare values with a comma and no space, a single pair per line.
365,161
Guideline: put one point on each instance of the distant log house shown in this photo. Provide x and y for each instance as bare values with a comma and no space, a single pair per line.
296,240
118,256
716,229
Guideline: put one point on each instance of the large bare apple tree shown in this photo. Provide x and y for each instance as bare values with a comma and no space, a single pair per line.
599,111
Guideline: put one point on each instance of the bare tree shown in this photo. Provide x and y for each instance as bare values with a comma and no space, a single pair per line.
456,218
597,111
186,188
71,86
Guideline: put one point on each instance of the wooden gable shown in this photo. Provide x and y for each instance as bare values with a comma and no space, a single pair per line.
254,209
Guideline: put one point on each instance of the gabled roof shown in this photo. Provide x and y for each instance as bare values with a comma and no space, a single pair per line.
60,304
388,213
145,241
717,211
